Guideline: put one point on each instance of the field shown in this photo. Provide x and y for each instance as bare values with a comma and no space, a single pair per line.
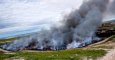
91,52
74,54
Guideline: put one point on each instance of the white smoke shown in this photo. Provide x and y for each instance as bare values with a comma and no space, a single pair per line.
90,15
77,30
112,7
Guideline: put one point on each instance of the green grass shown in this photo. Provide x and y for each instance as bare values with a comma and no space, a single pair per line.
4,56
3,41
74,54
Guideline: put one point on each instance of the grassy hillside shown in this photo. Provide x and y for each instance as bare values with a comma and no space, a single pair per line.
74,54
3,41
93,51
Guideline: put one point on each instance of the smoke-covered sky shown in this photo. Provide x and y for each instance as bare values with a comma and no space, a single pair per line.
31,12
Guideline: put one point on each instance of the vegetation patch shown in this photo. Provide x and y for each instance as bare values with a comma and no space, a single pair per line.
103,47
6,56
74,54
3,41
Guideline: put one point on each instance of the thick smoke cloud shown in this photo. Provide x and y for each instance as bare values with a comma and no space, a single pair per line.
90,17
112,7
77,30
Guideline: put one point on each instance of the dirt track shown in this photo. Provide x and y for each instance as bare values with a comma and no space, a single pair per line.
109,56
